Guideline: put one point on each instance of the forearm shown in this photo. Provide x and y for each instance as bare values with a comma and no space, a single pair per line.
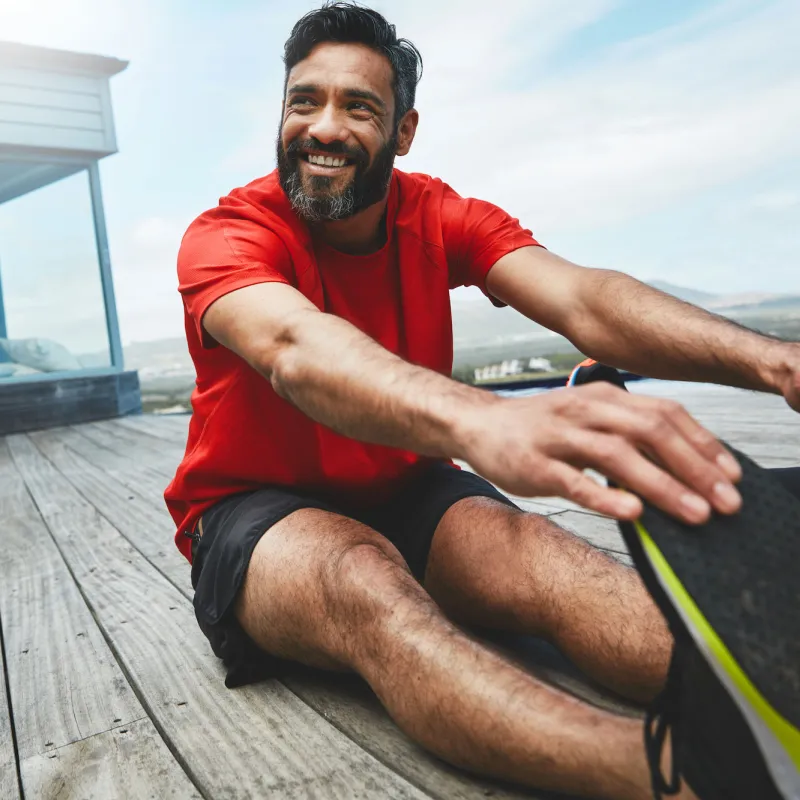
638,328
342,378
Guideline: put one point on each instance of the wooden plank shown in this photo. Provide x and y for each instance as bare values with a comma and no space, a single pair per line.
162,457
64,682
141,518
155,426
66,686
9,783
135,474
601,532
158,446
128,763
260,741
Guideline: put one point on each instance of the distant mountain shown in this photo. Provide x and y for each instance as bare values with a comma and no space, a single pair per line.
174,351
751,301
689,295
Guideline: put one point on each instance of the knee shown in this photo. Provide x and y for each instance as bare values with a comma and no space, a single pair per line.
367,568
365,586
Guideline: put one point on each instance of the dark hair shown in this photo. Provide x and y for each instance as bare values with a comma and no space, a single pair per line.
348,22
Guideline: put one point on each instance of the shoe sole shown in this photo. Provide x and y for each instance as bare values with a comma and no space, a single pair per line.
735,585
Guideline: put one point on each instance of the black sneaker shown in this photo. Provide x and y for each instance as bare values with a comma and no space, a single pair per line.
730,591
590,370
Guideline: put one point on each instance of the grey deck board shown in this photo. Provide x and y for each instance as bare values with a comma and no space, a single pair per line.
142,518
260,741
160,456
599,531
9,783
136,474
65,684
129,762
157,427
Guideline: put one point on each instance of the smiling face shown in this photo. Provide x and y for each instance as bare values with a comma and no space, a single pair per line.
337,140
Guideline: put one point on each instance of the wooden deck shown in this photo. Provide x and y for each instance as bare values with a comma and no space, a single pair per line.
109,689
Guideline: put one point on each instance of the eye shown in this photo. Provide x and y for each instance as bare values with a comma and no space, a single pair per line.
362,108
301,101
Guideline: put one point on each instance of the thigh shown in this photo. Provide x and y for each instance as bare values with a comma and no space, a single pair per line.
312,583
505,568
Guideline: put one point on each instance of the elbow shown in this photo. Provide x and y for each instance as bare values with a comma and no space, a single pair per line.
277,357
284,371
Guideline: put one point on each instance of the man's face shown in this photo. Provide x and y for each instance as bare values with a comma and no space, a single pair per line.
336,146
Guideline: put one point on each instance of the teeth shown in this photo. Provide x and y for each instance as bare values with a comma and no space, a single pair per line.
327,161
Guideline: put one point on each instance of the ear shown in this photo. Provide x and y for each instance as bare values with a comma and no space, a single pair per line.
406,131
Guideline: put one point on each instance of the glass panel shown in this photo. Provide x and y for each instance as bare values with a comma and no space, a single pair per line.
54,311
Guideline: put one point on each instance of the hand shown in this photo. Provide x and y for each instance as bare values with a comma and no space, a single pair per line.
539,446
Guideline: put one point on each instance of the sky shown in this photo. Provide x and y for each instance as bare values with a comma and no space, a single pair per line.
658,138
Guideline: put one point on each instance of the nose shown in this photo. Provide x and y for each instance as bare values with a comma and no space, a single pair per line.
327,126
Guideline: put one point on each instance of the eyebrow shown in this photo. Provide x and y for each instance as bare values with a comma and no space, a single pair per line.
361,94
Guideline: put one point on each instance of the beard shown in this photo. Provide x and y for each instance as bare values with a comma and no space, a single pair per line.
317,200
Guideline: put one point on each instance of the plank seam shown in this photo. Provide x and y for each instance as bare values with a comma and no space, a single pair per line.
11,725
92,735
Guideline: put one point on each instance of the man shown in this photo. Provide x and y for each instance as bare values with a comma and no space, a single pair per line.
317,501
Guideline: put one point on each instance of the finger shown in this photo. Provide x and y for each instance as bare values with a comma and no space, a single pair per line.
620,461
671,451
570,483
651,425
698,436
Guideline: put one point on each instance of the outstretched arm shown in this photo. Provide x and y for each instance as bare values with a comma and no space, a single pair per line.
620,321
529,446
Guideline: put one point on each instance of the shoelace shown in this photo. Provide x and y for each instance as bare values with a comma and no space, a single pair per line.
662,718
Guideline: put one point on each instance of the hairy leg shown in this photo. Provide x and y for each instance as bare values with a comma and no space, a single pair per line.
495,566
331,592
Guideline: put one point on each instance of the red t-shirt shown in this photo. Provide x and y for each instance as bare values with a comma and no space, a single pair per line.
242,435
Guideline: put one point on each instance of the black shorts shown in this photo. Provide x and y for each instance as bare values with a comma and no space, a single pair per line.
232,528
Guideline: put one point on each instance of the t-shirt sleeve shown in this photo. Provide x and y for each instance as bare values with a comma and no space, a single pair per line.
221,253
476,236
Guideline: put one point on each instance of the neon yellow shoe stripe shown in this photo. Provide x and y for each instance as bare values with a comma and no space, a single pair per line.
782,729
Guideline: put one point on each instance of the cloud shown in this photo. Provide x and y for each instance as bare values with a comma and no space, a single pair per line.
635,130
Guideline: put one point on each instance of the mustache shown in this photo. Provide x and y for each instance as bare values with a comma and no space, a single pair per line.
355,154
